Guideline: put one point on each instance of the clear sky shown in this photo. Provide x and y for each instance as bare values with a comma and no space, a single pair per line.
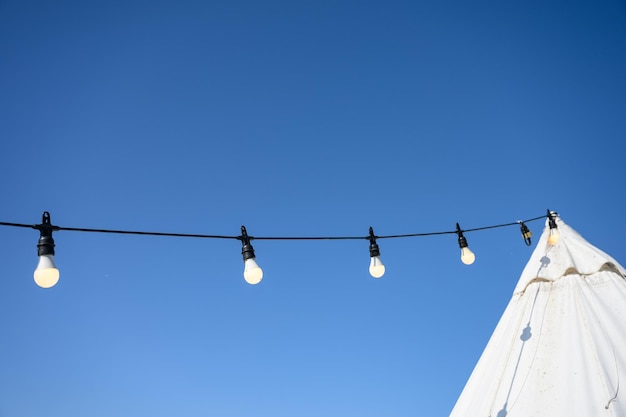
294,119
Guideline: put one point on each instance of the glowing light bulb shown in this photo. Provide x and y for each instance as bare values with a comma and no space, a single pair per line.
46,274
553,237
252,273
467,256
377,269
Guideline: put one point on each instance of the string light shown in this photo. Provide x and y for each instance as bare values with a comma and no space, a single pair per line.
251,271
47,275
553,237
467,256
526,233
377,269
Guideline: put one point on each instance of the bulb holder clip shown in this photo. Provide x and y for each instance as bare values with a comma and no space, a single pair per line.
45,246
462,240
374,249
247,251
551,219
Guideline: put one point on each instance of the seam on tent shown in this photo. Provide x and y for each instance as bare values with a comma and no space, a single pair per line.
508,357
611,267
607,266
532,281
539,333
594,304
504,366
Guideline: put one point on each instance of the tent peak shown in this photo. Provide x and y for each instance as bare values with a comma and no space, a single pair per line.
571,255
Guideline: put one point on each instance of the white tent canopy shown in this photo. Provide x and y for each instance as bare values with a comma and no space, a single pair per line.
560,347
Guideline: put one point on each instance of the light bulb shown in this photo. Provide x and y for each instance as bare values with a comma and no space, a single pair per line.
467,256
251,272
46,274
377,269
553,237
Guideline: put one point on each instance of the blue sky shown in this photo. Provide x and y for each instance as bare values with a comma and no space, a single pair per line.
293,119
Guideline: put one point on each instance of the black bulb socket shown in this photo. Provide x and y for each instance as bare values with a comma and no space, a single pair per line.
45,246
247,251
374,250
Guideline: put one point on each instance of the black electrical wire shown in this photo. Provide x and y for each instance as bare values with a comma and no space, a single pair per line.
129,232
30,226
204,236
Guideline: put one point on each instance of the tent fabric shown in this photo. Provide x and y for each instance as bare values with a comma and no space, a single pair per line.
559,348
